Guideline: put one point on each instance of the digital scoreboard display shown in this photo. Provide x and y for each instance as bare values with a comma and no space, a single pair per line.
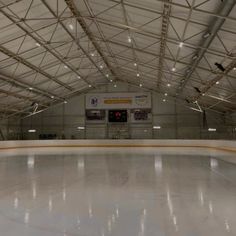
117,116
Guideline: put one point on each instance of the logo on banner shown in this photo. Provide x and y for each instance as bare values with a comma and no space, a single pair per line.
141,100
94,101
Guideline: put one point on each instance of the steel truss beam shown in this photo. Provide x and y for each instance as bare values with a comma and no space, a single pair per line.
23,85
21,60
74,39
152,10
164,32
213,29
219,15
81,21
158,36
31,66
212,82
156,55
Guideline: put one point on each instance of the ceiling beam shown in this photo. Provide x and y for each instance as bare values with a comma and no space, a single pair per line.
82,23
75,40
164,34
213,29
212,82
158,36
157,55
15,82
25,62
219,15
155,11
18,96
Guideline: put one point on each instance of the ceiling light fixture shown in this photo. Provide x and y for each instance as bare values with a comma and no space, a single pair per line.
212,129
30,88
101,66
71,26
52,97
115,85
32,130
138,74
37,44
65,101
234,68
174,69
135,64
164,100
92,54
217,82
181,44
65,66
168,85
129,39
156,127
111,80
107,75
90,85
78,77
166,94
140,85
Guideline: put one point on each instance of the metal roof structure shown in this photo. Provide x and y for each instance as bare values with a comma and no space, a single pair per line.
51,50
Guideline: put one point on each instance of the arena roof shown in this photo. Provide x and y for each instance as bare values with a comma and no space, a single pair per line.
54,49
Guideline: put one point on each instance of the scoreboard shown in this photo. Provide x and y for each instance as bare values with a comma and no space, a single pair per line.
117,115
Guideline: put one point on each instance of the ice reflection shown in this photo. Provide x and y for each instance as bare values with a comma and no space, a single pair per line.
64,194
169,202
210,207
158,164
90,210
227,227
34,190
109,225
200,196
80,163
26,217
170,206
16,203
213,163
142,222
117,212
30,162
50,204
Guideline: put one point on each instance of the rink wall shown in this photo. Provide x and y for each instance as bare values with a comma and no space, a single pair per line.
221,145
176,119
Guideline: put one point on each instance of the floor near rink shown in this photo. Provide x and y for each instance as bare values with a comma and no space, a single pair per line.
116,191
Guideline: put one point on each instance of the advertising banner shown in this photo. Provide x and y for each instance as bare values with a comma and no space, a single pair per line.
118,100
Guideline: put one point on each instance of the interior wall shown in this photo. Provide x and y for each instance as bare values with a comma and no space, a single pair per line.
3,129
176,121
10,129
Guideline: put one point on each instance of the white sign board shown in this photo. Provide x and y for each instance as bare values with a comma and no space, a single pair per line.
118,100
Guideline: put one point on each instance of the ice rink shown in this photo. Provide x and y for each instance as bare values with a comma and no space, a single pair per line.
129,192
